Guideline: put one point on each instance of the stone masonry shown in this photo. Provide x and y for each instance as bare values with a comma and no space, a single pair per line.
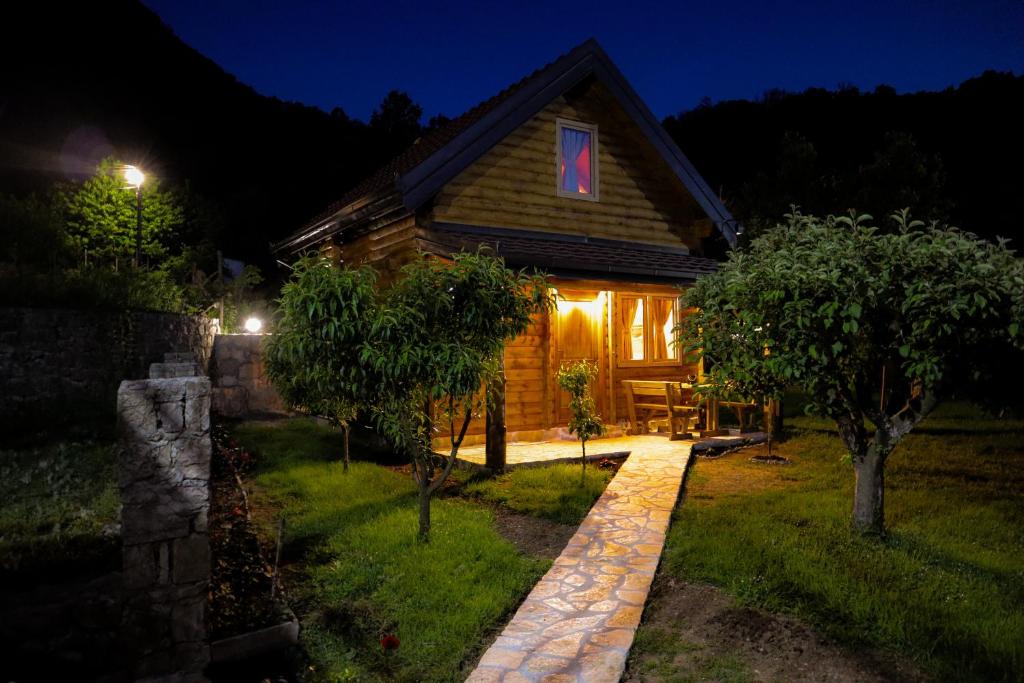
61,365
241,387
165,493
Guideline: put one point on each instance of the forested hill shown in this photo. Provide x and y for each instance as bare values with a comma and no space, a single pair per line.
952,154
85,79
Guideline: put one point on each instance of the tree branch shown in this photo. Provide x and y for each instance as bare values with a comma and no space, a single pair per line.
454,452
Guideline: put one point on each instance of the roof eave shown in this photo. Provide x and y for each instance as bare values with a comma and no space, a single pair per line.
366,209
424,181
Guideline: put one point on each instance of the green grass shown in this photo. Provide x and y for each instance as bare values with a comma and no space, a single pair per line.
945,587
659,653
552,492
60,510
361,573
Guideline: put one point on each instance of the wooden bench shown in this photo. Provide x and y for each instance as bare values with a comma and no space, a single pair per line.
649,400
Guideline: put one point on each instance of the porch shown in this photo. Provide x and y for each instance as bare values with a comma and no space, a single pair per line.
535,453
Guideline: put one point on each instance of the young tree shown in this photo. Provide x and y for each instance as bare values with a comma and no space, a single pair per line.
100,215
438,339
575,379
875,328
326,315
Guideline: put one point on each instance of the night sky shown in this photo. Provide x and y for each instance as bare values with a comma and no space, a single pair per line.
451,55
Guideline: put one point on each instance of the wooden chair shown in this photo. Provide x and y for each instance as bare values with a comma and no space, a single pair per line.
648,400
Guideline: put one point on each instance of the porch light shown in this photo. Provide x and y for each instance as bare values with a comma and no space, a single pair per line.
253,325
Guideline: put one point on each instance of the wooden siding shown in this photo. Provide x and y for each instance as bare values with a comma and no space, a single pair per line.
513,185
386,248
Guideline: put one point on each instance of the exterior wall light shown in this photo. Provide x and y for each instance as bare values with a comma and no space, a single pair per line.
253,325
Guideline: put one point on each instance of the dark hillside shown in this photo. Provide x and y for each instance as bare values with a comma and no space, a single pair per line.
955,153
83,80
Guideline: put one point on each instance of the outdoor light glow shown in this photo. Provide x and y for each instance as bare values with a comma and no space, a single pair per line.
253,325
134,176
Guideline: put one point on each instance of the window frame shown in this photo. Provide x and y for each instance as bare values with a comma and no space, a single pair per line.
648,360
595,176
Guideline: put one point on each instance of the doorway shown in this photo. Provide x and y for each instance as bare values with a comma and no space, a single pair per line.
579,318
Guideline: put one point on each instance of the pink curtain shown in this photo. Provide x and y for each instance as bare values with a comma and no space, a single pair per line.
627,311
661,311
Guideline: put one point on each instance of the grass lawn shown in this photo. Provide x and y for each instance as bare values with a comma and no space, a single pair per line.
357,572
552,492
60,510
947,585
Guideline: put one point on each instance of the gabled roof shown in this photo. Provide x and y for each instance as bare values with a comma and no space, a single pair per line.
417,174
571,255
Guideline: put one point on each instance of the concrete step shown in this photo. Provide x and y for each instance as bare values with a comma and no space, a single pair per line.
165,370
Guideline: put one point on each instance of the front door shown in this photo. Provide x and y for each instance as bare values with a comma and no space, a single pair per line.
579,338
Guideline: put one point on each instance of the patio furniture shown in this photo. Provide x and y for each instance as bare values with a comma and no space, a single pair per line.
746,413
667,400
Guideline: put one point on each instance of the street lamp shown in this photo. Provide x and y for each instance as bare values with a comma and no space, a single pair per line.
135,178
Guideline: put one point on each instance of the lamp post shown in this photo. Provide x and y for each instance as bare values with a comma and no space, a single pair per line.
135,178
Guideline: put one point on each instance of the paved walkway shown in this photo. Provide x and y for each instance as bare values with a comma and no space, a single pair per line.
578,622
527,453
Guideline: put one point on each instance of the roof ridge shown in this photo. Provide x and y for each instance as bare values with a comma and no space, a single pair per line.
378,179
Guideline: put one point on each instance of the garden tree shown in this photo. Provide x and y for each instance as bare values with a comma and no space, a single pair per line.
874,327
435,342
100,216
324,320
575,379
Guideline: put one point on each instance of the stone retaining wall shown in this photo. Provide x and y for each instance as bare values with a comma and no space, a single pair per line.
58,365
240,384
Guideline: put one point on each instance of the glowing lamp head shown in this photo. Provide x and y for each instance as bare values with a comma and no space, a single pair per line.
253,325
134,176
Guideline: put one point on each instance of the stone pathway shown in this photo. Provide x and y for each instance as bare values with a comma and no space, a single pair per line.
578,622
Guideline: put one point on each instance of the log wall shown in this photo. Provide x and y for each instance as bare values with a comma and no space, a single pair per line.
513,184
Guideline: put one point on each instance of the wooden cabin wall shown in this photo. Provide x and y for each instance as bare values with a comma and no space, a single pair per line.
526,387
513,184
386,248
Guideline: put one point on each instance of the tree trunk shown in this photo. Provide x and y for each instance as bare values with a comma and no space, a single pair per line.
495,423
869,493
424,534
344,447
583,476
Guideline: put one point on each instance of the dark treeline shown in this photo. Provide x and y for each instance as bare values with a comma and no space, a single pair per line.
952,155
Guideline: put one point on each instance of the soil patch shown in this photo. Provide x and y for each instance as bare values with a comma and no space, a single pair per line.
242,580
533,535
694,631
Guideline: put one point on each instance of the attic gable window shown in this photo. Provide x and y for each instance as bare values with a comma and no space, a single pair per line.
576,152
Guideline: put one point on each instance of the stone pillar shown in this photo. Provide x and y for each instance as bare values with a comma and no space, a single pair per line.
165,495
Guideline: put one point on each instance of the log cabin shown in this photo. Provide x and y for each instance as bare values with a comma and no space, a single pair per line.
566,171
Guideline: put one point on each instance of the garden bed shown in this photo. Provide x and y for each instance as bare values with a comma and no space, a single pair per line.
248,615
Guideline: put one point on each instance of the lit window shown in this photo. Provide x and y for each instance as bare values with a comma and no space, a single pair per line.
644,329
577,160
